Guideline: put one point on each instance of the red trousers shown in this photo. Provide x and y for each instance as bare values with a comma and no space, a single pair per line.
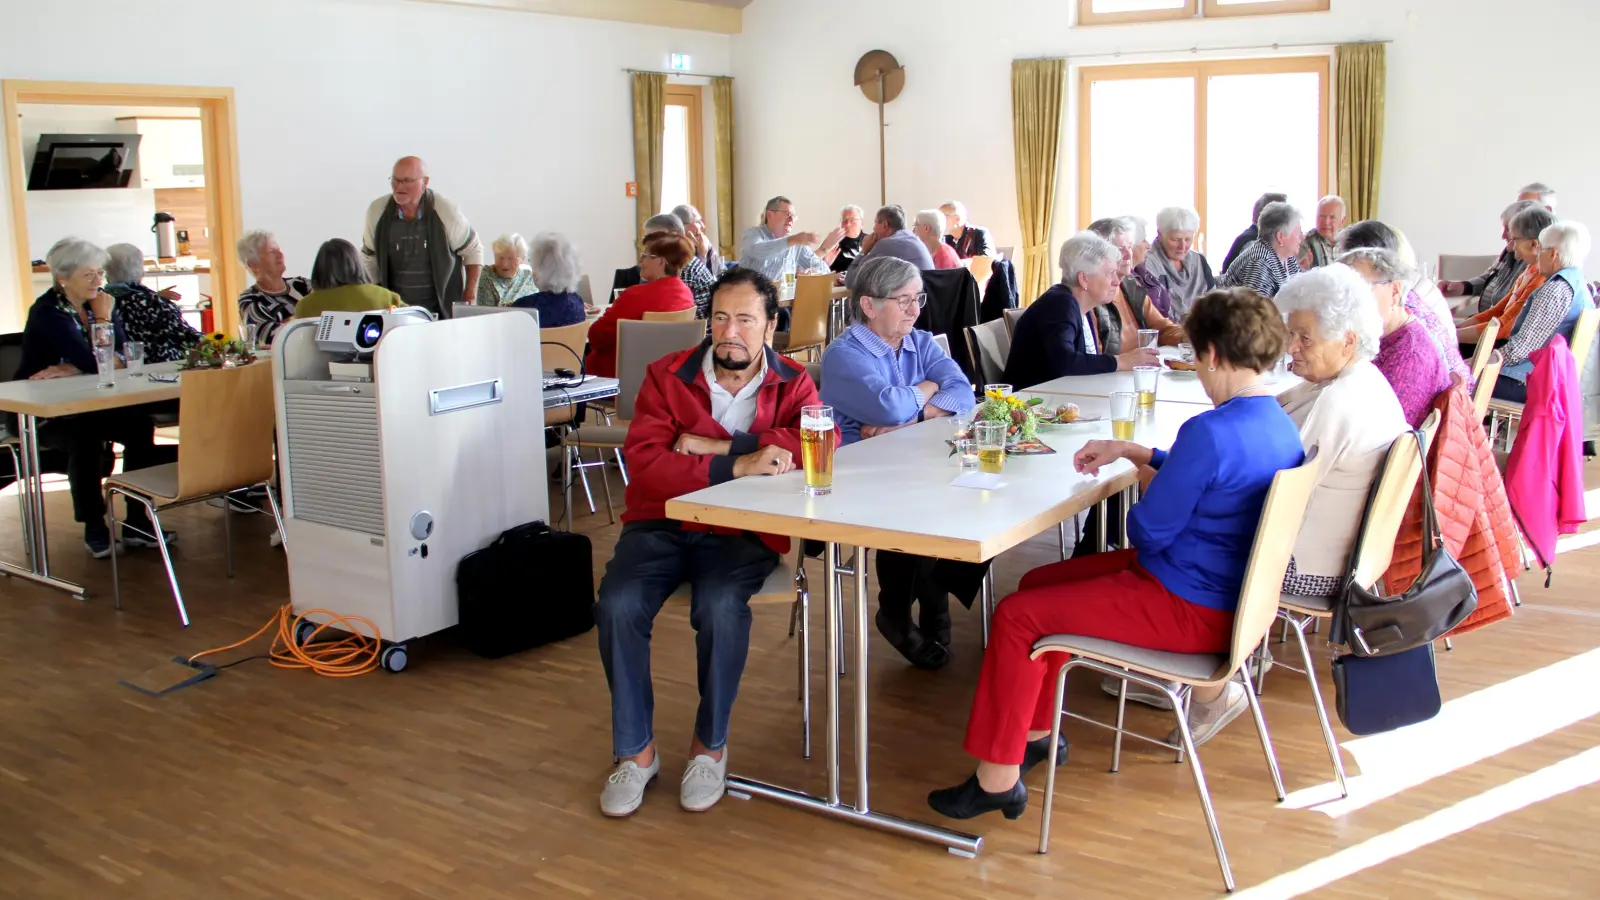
1107,595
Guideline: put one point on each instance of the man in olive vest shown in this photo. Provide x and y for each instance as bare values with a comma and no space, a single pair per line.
419,245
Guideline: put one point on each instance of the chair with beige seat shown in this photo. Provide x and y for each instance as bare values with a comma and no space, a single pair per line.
677,315
988,346
226,418
1484,348
638,345
562,348
1279,526
808,317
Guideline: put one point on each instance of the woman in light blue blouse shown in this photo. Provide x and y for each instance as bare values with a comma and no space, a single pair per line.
884,374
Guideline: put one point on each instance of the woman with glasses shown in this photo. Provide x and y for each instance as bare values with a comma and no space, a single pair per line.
1552,309
882,375
1406,355
661,290
1522,241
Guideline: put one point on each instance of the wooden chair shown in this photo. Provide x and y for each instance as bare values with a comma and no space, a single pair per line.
808,317
1483,392
1281,518
562,348
226,417
981,268
988,345
1510,411
1006,252
586,291
677,315
638,345
1484,348
1390,497
1011,318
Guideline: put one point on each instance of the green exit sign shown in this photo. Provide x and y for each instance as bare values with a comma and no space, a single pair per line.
681,62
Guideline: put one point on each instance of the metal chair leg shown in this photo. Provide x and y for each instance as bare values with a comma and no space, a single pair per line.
1061,536
583,475
277,515
22,500
227,531
621,466
1187,739
1050,764
160,536
1261,732
111,513
1122,716
803,618
605,482
1322,710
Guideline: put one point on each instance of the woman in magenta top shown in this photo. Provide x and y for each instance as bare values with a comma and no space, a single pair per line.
1407,355
664,254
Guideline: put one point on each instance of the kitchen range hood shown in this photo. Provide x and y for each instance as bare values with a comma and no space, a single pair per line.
77,161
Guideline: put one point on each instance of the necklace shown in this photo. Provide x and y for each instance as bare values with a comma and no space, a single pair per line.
1243,392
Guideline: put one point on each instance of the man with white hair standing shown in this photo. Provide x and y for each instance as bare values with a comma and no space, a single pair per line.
967,239
270,300
1319,244
1265,265
419,245
1174,261
1052,339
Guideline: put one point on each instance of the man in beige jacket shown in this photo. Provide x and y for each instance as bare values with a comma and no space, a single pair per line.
419,245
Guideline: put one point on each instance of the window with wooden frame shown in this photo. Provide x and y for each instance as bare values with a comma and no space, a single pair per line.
1212,136
1123,12
683,171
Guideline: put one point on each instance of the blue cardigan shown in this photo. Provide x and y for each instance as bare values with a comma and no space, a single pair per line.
1196,524
868,383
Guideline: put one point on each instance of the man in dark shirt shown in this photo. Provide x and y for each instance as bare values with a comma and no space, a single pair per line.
968,240
1051,340
1251,235
849,245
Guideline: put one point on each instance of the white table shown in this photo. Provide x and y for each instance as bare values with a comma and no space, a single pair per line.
53,398
1174,386
893,492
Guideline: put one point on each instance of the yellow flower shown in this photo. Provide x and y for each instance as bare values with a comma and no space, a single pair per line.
994,395
217,337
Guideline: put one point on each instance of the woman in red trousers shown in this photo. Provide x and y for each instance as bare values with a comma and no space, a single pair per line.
1177,591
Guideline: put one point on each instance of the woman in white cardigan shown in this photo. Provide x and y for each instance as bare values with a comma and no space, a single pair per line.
1346,409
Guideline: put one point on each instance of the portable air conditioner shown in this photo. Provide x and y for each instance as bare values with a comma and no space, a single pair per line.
388,483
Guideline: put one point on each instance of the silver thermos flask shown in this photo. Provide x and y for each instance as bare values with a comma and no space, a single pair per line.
166,229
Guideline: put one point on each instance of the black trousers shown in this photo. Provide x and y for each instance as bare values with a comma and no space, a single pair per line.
905,579
86,439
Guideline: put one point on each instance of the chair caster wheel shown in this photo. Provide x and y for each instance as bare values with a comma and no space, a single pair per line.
393,658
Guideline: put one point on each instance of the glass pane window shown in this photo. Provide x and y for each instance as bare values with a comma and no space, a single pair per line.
1241,165
1121,6
1141,152
675,159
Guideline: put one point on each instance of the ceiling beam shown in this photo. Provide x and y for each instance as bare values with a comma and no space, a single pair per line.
666,13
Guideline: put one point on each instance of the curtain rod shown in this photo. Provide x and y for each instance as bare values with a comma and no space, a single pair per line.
1203,50
670,74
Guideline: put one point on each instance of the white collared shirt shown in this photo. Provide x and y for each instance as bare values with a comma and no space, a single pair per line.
734,412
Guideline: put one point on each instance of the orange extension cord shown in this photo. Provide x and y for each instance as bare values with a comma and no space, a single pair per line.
355,654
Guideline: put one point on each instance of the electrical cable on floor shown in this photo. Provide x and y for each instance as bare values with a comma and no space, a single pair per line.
355,654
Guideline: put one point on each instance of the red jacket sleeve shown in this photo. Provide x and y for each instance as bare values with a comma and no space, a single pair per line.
658,473
785,431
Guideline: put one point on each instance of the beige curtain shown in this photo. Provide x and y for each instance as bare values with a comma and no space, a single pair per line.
1036,95
727,234
649,124
1358,114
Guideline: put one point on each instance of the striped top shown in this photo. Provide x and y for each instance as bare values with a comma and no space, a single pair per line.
1260,269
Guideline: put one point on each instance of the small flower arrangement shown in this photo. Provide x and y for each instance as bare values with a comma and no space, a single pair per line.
1021,416
218,351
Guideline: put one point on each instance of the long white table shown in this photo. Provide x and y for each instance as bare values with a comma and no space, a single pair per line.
893,492
1174,386
49,399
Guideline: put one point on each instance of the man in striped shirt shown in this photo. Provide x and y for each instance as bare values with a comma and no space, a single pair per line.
1264,266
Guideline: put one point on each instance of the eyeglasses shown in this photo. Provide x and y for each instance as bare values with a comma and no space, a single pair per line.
916,301
404,182
91,274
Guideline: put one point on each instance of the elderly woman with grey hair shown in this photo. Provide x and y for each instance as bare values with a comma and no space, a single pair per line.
928,226
508,277
1551,310
1407,355
270,300
56,344
1182,271
150,318
1050,340
1265,265
1345,408
556,274
881,375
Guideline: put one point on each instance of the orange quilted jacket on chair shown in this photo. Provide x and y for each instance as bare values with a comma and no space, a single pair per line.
1474,515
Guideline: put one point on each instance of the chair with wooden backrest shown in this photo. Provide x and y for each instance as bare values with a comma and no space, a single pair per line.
1011,317
1005,252
1508,411
808,316
1281,517
1388,501
1484,348
562,348
677,315
638,345
1463,268
943,341
988,345
1484,391
981,268
226,417
586,291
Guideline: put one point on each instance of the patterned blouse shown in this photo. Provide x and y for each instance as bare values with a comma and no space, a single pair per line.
494,290
699,279
1541,317
1260,269
153,320
267,310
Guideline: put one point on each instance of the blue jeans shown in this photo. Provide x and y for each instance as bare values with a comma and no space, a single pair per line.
651,560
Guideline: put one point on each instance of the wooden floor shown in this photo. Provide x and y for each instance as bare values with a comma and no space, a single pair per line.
471,778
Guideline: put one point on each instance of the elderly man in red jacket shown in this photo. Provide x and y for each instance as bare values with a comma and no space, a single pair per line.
729,408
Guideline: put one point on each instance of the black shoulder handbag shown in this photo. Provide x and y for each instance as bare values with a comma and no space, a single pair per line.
1441,598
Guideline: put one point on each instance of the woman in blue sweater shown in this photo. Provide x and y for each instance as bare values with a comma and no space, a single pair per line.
1177,590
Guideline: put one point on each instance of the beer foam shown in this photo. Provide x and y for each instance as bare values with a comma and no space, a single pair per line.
816,423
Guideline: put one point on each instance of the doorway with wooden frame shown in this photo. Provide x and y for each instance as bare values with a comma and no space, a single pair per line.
219,141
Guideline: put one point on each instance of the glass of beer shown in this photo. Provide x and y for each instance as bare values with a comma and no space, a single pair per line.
991,438
1124,406
1144,383
1148,338
818,439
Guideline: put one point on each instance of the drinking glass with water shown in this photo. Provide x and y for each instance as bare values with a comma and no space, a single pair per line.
104,340
133,356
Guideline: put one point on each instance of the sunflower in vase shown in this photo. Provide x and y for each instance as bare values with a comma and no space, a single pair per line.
1021,416
218,351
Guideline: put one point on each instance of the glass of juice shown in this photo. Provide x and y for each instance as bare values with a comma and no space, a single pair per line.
818,439
1144,384
991,438
1124,406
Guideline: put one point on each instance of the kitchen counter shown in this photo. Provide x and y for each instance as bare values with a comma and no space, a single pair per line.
165,269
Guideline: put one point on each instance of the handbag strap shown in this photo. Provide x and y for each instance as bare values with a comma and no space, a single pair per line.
1430,523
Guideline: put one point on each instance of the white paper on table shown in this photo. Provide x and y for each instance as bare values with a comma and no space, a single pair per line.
983,481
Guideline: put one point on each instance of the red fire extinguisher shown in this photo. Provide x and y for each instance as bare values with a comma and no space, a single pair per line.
208,322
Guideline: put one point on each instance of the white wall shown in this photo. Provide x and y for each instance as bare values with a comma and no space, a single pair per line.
525,120
1483,96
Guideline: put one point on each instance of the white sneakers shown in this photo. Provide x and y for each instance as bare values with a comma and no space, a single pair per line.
1206,719
704,782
